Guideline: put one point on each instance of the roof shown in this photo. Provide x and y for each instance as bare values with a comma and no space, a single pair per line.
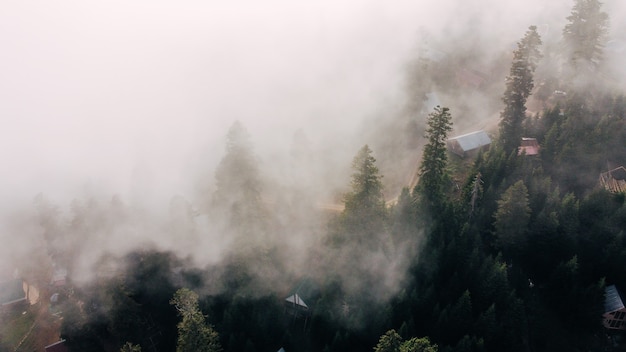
472,140
614,180
529,146
296,300
58,346
59,277
11,291
612,299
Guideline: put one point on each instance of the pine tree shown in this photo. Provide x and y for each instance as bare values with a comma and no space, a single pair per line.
365,213
433,169
389,342
236,203
237,175
519,85
194,335
512,219
584,35
130,347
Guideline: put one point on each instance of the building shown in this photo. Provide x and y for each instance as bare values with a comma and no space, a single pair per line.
614,316
469,143
614,180
295,306
529,146
59,277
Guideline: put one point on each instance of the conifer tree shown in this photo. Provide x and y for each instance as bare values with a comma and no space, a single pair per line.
519,85
365,211
512,218
236,203
584,35
433,169
194,335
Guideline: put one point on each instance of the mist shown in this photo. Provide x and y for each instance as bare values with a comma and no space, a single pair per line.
134,101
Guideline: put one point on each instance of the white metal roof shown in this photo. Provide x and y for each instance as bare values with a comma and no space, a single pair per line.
612,299
295,299
472,140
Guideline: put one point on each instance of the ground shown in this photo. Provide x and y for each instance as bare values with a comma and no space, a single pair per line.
29,329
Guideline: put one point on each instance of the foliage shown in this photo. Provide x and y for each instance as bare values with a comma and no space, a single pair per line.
364,214
392,342
194,335
434,176
519,85
511,218
130,347
585,35
236,203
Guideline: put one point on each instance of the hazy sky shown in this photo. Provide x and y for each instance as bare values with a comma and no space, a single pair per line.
89,90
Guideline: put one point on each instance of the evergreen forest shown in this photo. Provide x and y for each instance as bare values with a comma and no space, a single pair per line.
498,250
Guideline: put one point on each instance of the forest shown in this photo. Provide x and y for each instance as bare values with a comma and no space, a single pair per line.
497,251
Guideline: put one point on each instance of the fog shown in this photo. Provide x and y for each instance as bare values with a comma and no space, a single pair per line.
135,98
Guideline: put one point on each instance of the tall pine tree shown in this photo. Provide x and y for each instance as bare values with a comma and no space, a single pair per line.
519,85
433,170
365,213
584,36
194,335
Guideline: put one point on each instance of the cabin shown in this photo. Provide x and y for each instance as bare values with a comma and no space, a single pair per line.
469,144
528,147
614,316
59,277
295,306
614,180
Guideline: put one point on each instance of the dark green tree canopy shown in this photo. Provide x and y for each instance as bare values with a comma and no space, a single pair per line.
585,34
194,335
365,212
519,85
237,175
511,218
367,187
433,169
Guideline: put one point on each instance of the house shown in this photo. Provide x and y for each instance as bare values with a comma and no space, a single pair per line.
469,143
614,180
296,306
614,316
59,277
529,146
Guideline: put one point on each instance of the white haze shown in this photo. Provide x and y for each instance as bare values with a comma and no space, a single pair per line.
110,97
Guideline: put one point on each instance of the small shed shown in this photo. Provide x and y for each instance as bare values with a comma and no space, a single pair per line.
469,143
296,305
528,147
614,180
614,316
